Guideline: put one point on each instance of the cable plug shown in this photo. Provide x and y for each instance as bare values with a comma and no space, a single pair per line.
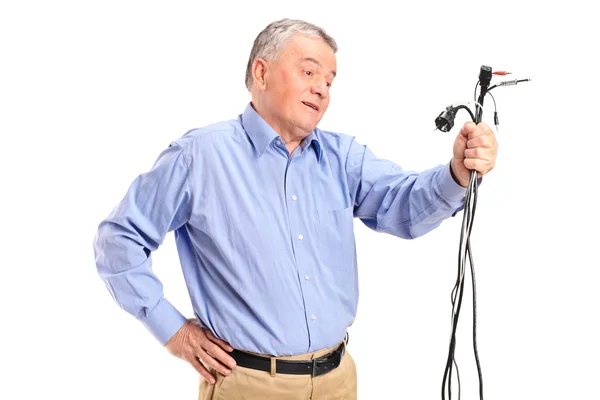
513,82
501,73
445,121
496,122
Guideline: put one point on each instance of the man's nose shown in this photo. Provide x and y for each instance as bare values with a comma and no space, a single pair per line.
320,89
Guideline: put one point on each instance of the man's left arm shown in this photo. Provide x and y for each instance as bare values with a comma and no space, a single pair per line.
409,204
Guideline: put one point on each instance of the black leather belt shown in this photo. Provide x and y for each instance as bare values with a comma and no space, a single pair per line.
315,367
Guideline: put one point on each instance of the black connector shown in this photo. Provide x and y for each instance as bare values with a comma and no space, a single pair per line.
445,121
485,76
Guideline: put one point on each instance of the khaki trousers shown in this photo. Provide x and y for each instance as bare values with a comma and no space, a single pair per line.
250,384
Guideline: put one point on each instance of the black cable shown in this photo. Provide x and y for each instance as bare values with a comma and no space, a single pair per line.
484,90
464,251
475,319
458,378
466,108
444,122
459,286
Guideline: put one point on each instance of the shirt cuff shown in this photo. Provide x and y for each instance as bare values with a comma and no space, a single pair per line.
164,321
449,189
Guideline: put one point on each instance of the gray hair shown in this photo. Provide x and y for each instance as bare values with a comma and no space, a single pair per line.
268,43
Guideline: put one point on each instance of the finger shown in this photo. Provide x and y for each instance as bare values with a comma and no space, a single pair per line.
216,350
218,353
204,373
209,360
218,341
482,129
482,166
489,142
480,153
468,128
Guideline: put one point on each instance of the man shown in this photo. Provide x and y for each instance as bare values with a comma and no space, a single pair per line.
262,208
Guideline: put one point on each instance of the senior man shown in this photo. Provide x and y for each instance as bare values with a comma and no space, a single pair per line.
262,207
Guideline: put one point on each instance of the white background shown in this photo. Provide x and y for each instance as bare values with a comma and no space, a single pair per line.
91,92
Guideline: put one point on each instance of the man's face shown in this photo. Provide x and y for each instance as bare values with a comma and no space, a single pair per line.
297,91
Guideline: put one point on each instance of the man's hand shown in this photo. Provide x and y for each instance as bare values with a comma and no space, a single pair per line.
475,148
194,344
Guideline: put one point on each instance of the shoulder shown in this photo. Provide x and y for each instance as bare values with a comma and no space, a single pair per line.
209,133
339,143
209,136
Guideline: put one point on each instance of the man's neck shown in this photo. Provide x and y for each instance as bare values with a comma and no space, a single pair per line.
288,134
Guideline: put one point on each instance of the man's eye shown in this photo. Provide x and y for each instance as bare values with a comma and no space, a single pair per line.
308,73
328,84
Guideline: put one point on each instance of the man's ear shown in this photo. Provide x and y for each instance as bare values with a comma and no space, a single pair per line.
260,72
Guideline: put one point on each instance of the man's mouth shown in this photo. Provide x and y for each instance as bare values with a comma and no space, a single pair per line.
311,105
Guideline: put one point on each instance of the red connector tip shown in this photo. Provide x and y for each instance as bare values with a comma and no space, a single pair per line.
501,73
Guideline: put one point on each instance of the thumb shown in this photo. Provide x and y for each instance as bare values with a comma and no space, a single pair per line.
468,128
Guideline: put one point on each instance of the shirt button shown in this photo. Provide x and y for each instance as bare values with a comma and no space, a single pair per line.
307,277
300,237
294,197
313,317
278,141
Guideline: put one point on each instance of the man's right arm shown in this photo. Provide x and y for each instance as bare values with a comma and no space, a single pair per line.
157,202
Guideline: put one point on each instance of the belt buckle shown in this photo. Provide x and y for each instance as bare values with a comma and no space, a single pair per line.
315,364
324,360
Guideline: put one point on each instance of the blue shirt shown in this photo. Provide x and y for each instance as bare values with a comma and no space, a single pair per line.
265,238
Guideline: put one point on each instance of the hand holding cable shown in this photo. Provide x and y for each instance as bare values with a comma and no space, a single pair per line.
475,148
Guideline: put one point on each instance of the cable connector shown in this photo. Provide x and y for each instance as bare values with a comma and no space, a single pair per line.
510,83
485,76
501,73
496,122
507,83
445,121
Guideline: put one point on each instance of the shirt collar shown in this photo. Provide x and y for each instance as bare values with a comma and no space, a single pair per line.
262,135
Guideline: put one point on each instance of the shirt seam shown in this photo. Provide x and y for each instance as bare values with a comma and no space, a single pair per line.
187,177
200,136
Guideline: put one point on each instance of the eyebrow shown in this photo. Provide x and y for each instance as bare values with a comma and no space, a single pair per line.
315,61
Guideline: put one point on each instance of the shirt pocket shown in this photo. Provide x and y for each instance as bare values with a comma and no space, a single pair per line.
335,235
